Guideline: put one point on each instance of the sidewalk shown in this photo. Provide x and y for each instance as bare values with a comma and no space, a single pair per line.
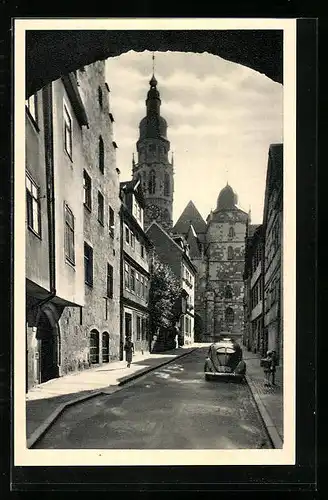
268,399
46,401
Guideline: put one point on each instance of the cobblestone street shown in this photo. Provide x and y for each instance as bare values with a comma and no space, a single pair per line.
172,407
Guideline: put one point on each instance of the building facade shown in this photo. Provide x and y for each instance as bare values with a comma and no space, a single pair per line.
72,227
153,167
273,244
174,252
92,333
217,249
135,261
253,337
55,118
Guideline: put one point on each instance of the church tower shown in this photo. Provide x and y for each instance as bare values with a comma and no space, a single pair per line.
153,167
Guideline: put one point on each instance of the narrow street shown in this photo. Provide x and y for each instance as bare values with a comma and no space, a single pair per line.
172,407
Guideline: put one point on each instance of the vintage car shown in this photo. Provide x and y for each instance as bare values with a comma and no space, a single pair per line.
225,359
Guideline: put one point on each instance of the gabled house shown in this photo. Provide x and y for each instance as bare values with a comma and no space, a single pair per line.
254,283
273,238
174,251
135,267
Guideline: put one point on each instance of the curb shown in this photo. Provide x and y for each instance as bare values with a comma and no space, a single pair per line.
39,431
274,437
128,378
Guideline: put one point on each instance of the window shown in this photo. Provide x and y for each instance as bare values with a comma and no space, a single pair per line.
69,235
137,210
67,132
146,288
142,251
138,328
152,182
132,280
100,97
32,106
111,221
166,184
142,287
166,214
94,347
33,206
126,276
132,240
88,264
228,292
231,232
229,315
138,284
101,154
144,328
109,281
106,308
100,208
127,235
230,253
87,190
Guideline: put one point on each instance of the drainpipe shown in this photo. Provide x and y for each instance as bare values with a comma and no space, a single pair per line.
121,350
50,194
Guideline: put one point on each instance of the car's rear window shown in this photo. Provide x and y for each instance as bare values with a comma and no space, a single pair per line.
228,350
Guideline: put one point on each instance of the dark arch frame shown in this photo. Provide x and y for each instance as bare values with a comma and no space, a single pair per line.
47,57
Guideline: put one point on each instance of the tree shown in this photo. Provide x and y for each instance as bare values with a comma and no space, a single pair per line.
163,293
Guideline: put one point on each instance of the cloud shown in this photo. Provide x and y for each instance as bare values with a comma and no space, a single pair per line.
221,118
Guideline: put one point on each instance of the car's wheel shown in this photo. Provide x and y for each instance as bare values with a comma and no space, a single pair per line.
207,377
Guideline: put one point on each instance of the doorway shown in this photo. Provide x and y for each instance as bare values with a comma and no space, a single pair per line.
128,325
48,347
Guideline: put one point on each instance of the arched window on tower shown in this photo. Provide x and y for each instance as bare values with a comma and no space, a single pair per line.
101,155
166,214
152,182
230,253
228,292
166,184
231,232
229,316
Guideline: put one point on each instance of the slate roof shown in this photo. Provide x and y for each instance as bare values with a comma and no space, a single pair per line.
190,216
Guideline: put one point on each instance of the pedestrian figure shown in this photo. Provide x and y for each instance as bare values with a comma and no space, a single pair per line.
129,351
268,365
273,367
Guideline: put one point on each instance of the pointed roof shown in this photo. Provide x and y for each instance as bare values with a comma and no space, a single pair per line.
190,216
193,242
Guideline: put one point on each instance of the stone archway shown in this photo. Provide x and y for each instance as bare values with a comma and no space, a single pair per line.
48,56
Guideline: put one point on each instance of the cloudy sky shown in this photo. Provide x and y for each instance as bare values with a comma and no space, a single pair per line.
221,117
